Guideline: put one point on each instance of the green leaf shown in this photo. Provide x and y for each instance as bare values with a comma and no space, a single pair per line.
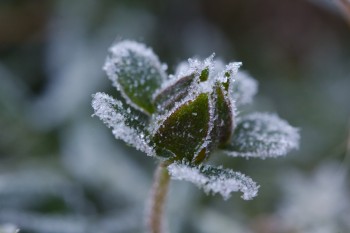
183,130
136,72
126,124
262,135
214,179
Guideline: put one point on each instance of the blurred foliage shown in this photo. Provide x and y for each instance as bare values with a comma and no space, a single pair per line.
62,171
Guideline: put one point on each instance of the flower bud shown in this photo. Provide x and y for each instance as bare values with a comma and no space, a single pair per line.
196,115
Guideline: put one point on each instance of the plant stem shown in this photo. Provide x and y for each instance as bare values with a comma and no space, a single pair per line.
159,192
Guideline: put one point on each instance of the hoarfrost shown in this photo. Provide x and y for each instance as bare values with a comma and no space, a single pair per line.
112,113
229,73
215,180
262,135
136,72
244,88
183,67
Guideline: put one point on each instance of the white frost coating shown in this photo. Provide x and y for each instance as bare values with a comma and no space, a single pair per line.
106,108
223,181
122,50
119,53
263,135
184,66
229,73
244,88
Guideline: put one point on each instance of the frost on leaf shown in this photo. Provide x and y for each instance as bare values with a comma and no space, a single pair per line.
125,125
215,180
262,135
136,72
244,88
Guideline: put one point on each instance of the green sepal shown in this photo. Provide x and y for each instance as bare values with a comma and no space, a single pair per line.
224,121
183,132
166,99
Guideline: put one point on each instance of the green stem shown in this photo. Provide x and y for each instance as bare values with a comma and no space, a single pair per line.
158,195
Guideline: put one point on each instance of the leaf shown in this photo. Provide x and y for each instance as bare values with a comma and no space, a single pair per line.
262,135
184,129
215,179
243,89
126,126
136,72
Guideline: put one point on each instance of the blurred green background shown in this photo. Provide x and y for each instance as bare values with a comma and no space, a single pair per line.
62,171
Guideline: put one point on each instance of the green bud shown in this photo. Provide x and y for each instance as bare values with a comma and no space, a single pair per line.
197,116
182,118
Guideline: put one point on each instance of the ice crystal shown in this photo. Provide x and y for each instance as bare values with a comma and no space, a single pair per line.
183,118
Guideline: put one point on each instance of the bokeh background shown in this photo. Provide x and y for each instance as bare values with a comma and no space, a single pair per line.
61,171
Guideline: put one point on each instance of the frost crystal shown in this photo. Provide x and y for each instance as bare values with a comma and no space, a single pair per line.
111,112
215,180
263,135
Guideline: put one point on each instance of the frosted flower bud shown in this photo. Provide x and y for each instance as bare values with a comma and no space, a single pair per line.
197,113
183,118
